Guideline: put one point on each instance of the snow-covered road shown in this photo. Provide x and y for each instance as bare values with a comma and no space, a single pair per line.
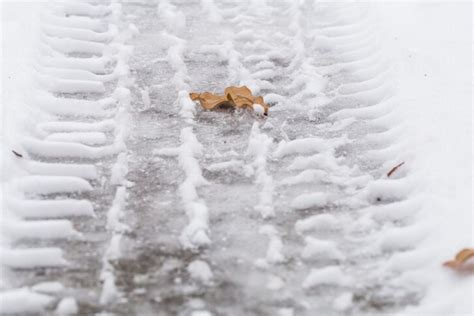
125,197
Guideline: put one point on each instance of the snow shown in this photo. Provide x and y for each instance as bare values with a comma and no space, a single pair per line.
195,234
67,306
258,109
317,249
231,165
200,271
320,161
87,138
119,170
33,257
301,146
411,222
51,184
40,229
210,9
67,149
258,148
396,211
275,283
67,126
115,212
48,287
309,200
201,313
21,301
343,302
306,176
388,189
84,171
173,18
52,208
275,245
329,275
431,45
320,222
69,106
285,312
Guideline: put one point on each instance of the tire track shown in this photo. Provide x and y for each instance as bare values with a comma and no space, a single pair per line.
53,258
320,158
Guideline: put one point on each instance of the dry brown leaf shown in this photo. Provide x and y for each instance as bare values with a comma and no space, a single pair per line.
239,97
208,100
460,262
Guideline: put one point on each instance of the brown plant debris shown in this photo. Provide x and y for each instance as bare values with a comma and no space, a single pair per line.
394,169
17,154
236,97
461,262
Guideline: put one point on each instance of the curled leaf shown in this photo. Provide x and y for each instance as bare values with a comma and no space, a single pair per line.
461,262
238,97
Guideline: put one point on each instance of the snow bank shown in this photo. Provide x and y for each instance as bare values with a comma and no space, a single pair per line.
431,46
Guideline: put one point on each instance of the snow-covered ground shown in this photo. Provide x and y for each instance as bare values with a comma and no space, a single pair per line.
121,195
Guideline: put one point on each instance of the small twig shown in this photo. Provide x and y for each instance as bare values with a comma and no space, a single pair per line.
394,169
17,154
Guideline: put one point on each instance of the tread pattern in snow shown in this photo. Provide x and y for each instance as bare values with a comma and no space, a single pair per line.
60,225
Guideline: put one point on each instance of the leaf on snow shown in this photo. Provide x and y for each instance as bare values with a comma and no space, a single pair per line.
238,97
461,262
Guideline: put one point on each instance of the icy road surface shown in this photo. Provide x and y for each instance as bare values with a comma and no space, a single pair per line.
138,202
